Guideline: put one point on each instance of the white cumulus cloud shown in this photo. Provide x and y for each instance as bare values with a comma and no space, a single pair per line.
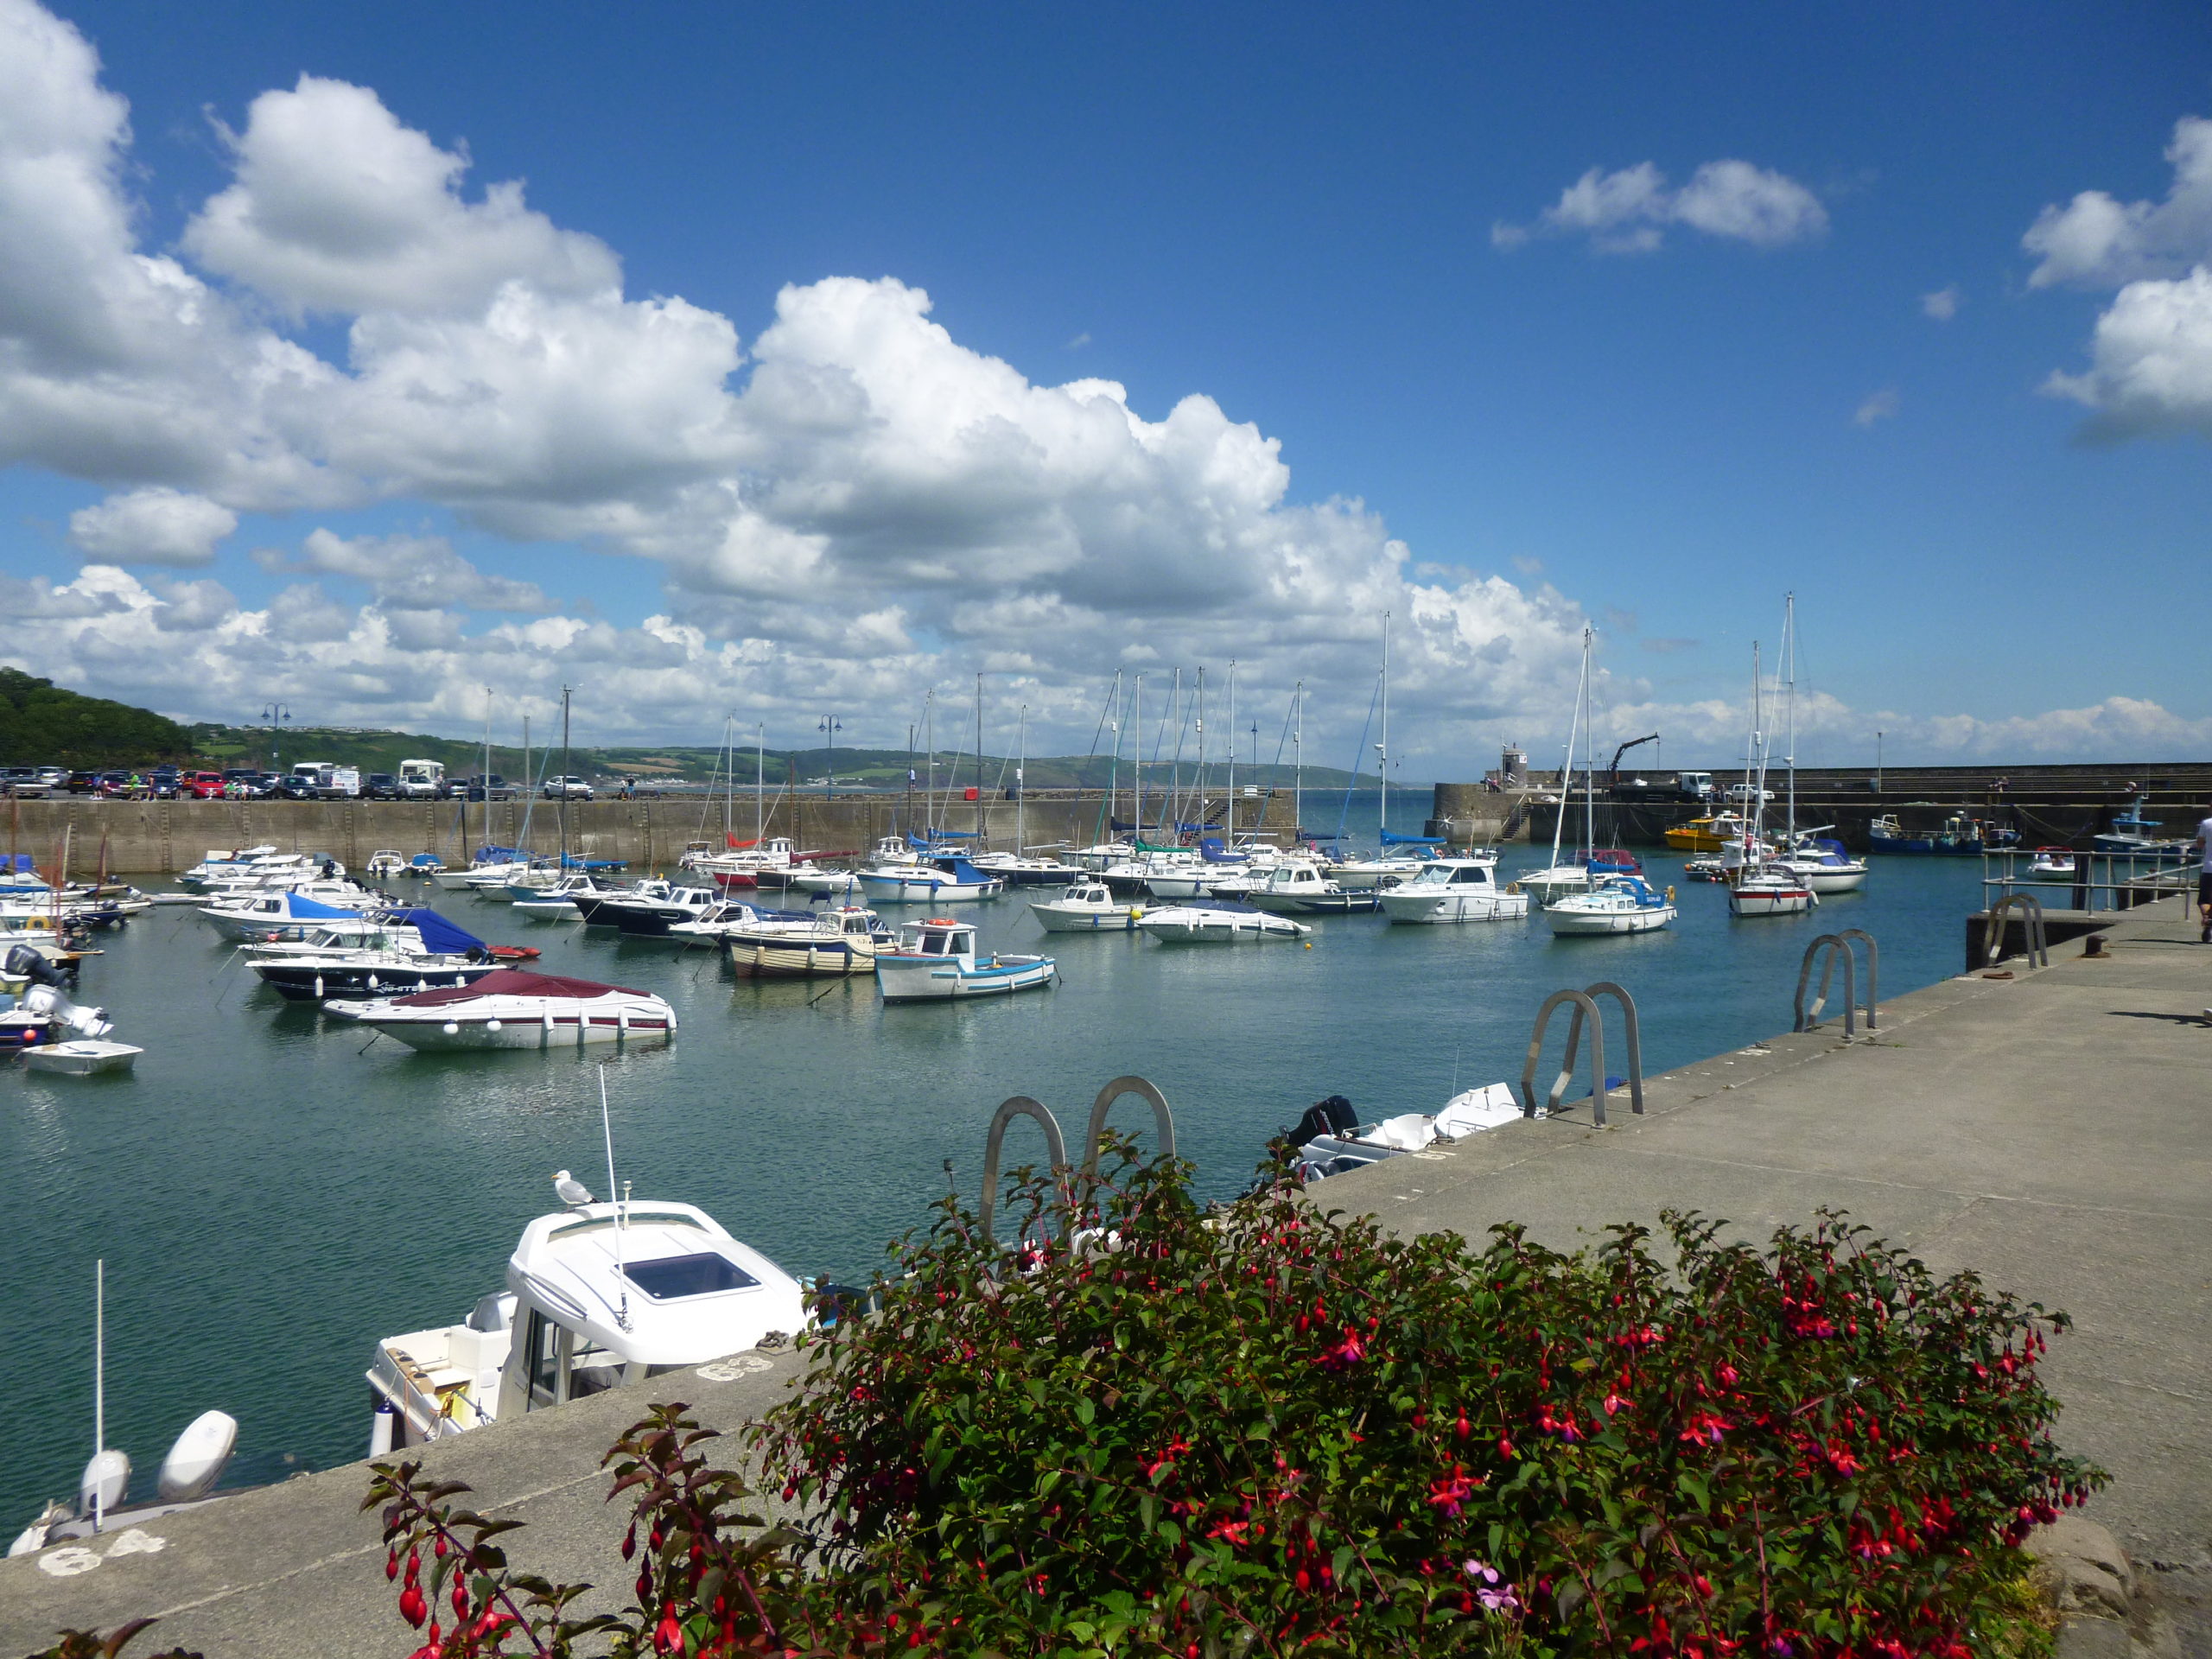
155,525
1942,305
408,572
1629,210
2150,372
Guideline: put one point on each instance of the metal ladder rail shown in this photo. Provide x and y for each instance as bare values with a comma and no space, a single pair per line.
1583,1005
1012,1107
2033,935
1633,1031
1827,948
1163,1120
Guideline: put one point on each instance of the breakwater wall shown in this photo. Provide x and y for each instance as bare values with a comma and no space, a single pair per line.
2049,806
162,837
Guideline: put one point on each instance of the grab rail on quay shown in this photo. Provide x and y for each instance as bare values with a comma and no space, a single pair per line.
1056,1145
1827,947
2098,881
2033,936
1585,1008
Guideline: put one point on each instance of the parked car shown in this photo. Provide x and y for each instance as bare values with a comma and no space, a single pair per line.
296,788
164,782
381,786
82,783
246,783
566,789
1748,792
200,787
472,789
21,781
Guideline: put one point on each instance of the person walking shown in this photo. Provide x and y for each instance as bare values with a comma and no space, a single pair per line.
2204,877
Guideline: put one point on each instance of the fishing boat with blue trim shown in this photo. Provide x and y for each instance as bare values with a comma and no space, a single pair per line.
936,961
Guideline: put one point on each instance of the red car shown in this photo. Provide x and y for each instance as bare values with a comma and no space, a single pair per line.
200,786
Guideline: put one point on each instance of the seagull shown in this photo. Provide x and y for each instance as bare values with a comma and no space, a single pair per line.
572,1192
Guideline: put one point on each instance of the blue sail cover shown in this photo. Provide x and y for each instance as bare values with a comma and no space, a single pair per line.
1391,838
437,933
15,863
961,870
308,910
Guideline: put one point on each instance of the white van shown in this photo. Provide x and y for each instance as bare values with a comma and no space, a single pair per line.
423,781
344,784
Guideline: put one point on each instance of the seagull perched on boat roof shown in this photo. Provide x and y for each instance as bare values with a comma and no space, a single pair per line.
572,1192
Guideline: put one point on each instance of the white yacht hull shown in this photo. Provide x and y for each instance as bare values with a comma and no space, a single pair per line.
1770,901
1583,923
1409,905
1056,919
1836,881
938,979
81,1058
912,890
1180,926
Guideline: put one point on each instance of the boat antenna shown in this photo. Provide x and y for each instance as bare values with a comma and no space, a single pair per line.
100,1388
621,1215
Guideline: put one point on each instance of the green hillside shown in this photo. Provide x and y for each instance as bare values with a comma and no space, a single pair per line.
40,724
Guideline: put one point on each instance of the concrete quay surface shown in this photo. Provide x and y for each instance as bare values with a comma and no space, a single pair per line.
2051,1131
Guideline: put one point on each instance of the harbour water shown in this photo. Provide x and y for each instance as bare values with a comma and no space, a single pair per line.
271,1198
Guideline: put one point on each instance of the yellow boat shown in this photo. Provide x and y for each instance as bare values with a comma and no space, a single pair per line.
1706,835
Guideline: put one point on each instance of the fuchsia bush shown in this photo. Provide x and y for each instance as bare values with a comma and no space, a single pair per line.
1272,1430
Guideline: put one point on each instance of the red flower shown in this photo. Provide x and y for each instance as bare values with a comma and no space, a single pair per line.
668,1634
412,1607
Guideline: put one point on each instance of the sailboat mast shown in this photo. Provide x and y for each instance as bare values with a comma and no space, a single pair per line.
1136,757
1020,795
760,781
1230,829
1566,768
1113,765
1298,761
979,758
1589,751
485,840
562,820
1169,811
1198,788
1790,658
1757,747
1383,749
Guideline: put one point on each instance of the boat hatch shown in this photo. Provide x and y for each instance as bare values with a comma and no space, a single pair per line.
705,1273
639,1217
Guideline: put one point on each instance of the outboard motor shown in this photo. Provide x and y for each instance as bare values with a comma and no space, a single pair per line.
44,999
24,962
1334,1115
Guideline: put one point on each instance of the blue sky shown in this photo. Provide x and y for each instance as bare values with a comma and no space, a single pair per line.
1291,211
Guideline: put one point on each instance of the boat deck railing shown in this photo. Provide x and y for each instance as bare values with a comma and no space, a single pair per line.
2100,881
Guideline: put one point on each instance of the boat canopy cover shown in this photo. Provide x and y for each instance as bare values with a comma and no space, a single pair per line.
961,870
304,909
499,854
517,982
1171,847
943,834
1120,828
17,863
425,858
438,934
1211,850
1392,838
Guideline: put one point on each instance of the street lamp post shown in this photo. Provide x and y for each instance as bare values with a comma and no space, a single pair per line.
829,726
273,716
1877,763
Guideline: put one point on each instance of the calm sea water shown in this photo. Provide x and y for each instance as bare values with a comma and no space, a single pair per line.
271,1198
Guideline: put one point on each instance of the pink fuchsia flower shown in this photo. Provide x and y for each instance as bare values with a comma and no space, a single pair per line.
1345,1354
1490,1589
1450,1491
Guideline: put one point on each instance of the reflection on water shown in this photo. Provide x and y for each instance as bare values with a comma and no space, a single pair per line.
272,1191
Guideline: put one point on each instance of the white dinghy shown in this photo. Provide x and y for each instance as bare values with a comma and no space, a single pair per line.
1215,921
82,1057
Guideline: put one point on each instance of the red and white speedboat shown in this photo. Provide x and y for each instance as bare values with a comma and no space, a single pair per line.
1772,891
513,1008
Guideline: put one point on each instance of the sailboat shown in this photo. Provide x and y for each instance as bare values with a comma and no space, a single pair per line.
1757,887
1612,898
1574,874
1386,868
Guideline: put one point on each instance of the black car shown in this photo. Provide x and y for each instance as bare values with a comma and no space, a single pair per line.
296,789
381,786
250,783
472,789
164,781
82,783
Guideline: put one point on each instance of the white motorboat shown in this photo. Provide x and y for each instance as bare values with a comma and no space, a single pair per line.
1099,856
82,1057
187,1480
1820,863
742,863
556,902
598,1296
597,908
1455,890
935,961
294,914
1086,907
1330,1141
1018,871
386,863
1619,903
491,863
418,950
1298,887
725,916
516,1008
950,880
1771,891
837,883
223,862
2052,864
1386,869
828,944
1213,921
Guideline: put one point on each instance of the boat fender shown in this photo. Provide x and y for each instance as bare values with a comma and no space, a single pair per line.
1670,892
452,1028
548,1018
318,985
491,1025
381,1423
621,1020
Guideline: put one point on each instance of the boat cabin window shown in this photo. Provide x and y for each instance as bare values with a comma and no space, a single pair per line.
702,1274
592,1369
936,944
1471,876
542,1343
